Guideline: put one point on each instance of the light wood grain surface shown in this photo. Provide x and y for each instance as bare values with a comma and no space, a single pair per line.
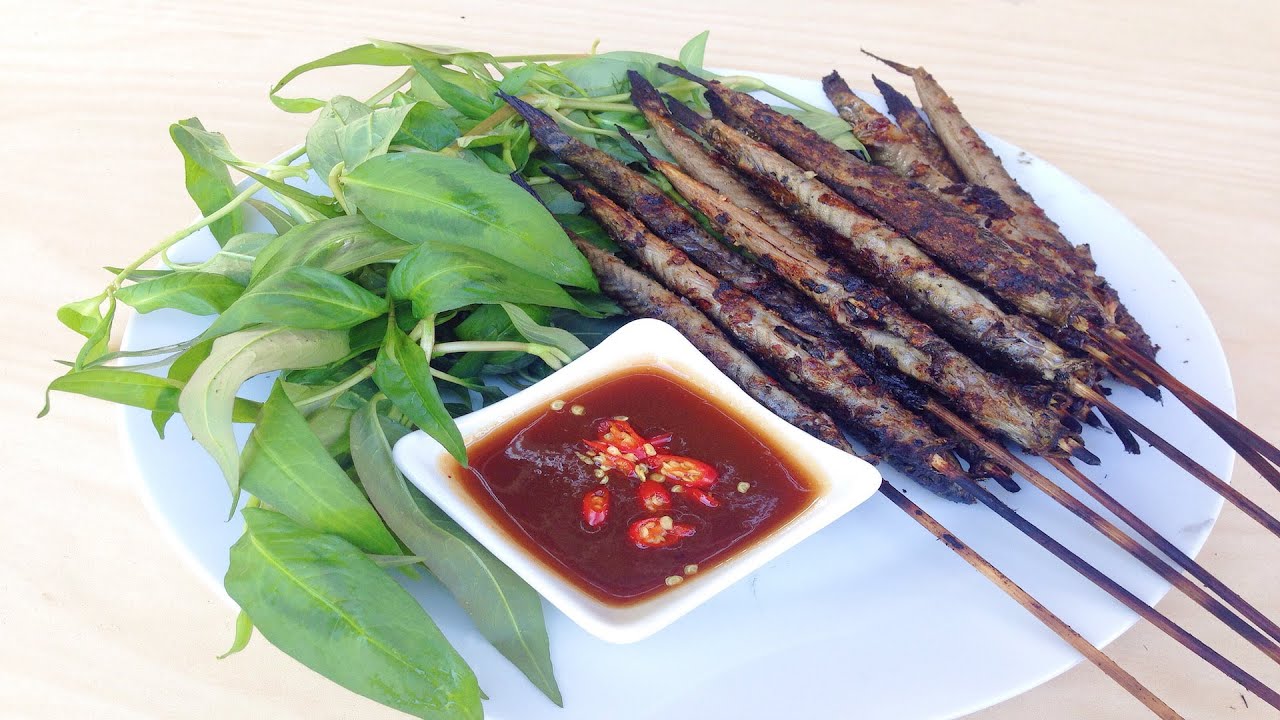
1171,110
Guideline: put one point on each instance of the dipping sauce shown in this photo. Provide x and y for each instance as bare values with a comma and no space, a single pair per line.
634,484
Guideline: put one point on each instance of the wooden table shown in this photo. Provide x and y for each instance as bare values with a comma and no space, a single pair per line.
1168,109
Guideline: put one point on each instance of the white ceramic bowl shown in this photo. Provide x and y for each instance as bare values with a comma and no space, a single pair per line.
843,481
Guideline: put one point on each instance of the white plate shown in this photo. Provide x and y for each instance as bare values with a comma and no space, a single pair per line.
870,617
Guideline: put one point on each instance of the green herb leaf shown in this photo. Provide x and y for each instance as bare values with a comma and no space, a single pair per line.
321,601
544,334
421,197
244,633
359,55
301,297
606,73
403,373
338,245
287,466
207,399
198,293
427,127
235,259
829,126
513,83
589,230
350,132
470,104
279,219
83,316
138,389
208,181
438,277
318,206
95,346
503,607
693,51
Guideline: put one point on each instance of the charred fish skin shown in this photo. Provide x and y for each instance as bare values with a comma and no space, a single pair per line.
951,236
891,261
868,412
667,219
980,165
909,119
888,144
878,324
642,296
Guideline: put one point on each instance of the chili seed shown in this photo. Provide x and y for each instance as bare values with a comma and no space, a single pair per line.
577,410
599,473
649,449
674,488
604,481
744,486
674,580
621,418
666,522
613,450
585,459
690,569
557,405
640,473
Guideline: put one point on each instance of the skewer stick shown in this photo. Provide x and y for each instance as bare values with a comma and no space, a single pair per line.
1023,598
1198,471
1128,599
1107,528
1169,549
1252,447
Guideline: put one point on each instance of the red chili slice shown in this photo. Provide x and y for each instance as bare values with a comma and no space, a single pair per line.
653,496
619,433
595,507
649,533
683,470
612,457
704,498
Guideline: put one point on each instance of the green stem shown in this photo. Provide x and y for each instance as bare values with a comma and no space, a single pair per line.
563,120
335,185
354,379
595,105
203,222
395,85
551,57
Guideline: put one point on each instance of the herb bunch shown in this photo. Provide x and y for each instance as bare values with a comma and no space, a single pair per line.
396,278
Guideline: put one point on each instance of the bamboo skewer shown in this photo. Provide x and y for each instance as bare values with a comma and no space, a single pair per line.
1109,529
1128,599
1229,493
1253,448
1169,549
1023,598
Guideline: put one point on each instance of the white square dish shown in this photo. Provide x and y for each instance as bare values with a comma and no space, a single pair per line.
842,481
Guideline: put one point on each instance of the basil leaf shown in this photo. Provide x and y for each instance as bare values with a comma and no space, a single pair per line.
422,197
403,373
235,259
137,389
287,466
317,205
606,73
279,219
324,603
208,181
359,55
589,230
338,245
83,316
244,633
207,399
503,607
427,127
439,277
693,51
95,346
513,83
464,101
198,293
301,297
829,126
543,334
351,132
